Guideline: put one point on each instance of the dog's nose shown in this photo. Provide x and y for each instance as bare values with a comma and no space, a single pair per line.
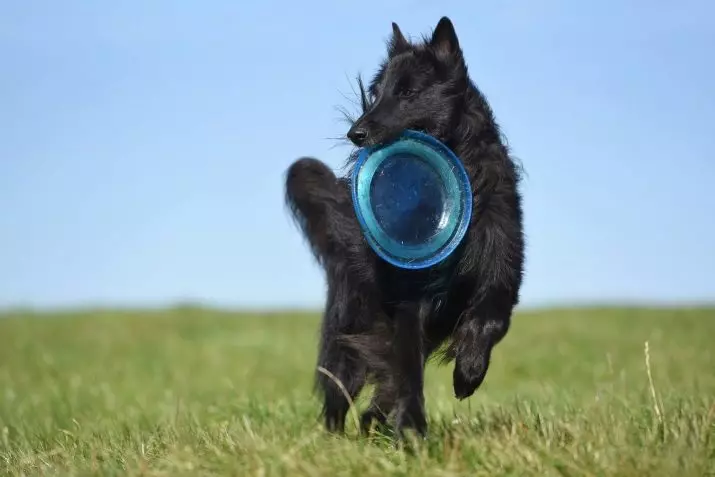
357,135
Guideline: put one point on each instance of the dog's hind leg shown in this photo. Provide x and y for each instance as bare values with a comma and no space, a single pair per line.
346,367
347,376
322,206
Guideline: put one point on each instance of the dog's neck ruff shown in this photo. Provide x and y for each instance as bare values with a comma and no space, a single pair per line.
413,200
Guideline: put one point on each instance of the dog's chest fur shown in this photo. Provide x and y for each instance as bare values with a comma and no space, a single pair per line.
426,289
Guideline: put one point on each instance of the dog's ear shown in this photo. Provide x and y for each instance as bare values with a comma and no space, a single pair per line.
444,38
398,43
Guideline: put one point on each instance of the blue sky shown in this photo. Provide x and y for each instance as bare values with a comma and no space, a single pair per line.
143,144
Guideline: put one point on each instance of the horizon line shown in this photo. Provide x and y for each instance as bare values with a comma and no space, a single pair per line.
186,304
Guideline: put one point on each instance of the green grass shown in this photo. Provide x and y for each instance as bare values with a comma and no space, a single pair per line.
196,392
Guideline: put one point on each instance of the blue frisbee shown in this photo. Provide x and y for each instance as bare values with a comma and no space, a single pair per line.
413,200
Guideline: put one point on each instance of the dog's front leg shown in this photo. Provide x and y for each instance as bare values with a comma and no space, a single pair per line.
491,274
409,371
481,327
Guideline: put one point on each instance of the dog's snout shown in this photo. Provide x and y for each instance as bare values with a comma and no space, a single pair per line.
358,135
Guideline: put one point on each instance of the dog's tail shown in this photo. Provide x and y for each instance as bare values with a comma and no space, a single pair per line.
321,206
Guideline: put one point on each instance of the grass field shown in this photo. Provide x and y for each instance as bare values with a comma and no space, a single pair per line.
198,392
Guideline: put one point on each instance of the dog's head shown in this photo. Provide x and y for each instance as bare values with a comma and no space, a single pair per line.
419,86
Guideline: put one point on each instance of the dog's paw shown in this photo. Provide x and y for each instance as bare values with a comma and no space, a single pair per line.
410,416
369,417
469,372
335,423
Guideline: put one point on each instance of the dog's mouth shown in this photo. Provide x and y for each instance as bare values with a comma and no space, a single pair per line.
387,138
382,136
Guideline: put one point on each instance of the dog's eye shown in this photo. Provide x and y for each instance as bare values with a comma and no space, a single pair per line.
406,92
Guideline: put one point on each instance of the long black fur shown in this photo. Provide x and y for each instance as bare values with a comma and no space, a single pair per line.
382,323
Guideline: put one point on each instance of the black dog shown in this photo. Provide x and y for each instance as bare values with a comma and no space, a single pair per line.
382,323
